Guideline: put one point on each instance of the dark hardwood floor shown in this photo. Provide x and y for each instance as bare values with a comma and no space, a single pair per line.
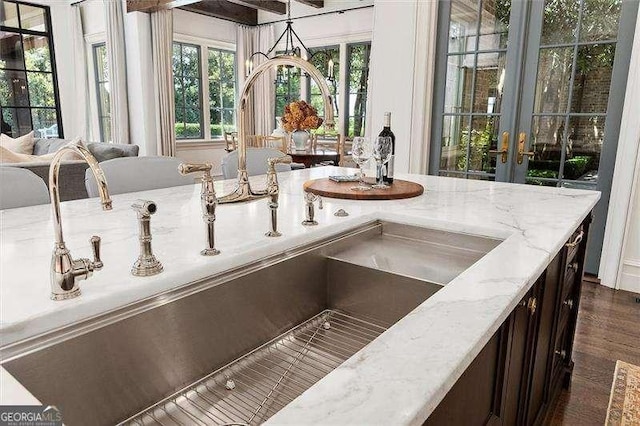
608,330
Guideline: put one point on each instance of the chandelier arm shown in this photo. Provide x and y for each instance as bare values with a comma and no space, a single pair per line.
299,41
277,41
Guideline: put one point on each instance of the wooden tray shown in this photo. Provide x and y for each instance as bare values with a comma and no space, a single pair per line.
328,188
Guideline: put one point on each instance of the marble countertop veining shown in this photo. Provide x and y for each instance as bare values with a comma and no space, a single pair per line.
401,376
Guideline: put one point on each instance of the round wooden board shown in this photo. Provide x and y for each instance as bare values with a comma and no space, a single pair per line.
328,188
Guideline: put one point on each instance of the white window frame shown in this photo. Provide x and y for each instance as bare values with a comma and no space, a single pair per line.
90,41
205,45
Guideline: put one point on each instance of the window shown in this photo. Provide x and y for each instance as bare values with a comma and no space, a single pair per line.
187,83
222,92
349,113
321,61
205,90
28,83
287,88
102,90
358,67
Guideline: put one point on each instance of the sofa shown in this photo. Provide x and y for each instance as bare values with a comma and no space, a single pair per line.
72,172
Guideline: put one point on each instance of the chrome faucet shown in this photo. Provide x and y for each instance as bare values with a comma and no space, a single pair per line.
208,201
273,191
243,191
65,271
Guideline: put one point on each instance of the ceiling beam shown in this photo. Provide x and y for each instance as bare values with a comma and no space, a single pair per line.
225,10
318,4
272,6
149,6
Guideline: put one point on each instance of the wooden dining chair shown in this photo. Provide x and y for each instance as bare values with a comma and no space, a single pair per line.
231,141
275,142
344,150
255,141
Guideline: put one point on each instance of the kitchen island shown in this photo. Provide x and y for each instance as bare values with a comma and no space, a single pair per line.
399,378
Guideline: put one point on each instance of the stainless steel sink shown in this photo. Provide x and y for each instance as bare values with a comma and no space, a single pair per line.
237,348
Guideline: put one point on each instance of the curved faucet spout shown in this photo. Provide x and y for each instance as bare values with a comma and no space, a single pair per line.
54,191
243,191
65,270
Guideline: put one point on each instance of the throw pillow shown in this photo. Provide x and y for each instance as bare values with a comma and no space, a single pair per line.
105,151
20,145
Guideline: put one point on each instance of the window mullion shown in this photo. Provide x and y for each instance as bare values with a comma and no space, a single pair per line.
343,117
204,83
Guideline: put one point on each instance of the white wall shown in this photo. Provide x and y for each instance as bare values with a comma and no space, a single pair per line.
200,28
391,83
630,277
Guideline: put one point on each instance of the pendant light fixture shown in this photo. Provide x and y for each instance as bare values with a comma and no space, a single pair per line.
290,37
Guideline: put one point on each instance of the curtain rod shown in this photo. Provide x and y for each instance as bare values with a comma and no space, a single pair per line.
317,14
75,3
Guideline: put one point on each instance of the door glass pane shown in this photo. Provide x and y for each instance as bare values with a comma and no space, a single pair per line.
36,53
457,96
494,24
41,89
13,88
11,51
455,133
600,20
547,134
16,121
584,145
32,18
593,78
45,122
463,26
484,137
490,74
560,21
554,78
9,14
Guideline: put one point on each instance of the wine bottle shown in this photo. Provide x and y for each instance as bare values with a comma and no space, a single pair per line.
387,172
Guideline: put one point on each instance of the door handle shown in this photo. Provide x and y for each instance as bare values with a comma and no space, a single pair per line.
504,151
522,138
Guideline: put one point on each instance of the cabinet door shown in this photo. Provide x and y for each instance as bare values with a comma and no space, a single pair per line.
547,301
475,399
519,345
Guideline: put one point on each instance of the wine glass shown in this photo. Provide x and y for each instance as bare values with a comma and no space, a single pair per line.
361,152
381,153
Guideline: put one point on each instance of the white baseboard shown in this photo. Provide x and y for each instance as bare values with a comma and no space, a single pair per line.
630,277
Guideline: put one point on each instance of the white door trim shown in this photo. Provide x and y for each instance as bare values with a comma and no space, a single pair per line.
423,78
625,177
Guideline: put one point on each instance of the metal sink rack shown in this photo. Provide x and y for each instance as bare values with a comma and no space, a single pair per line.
255,386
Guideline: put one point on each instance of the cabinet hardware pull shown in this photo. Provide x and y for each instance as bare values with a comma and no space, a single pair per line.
522,138
568,303
504,151
562,353
577,240
574,266
532,305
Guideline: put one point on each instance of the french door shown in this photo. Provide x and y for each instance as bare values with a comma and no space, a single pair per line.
532,92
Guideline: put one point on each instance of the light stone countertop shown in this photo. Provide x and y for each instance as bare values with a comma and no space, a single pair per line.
397,379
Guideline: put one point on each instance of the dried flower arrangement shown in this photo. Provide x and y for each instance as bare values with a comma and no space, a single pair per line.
299,115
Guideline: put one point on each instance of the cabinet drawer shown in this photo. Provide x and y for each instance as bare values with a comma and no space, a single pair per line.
567,310
560,354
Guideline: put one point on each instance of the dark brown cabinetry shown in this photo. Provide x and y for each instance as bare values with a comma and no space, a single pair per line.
516,377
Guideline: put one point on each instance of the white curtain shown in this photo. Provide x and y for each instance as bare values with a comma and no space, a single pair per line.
260,120
116,60
244,49
162,45
264,91
81,74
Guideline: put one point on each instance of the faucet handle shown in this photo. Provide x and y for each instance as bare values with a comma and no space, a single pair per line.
186,168
271,162
95,246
